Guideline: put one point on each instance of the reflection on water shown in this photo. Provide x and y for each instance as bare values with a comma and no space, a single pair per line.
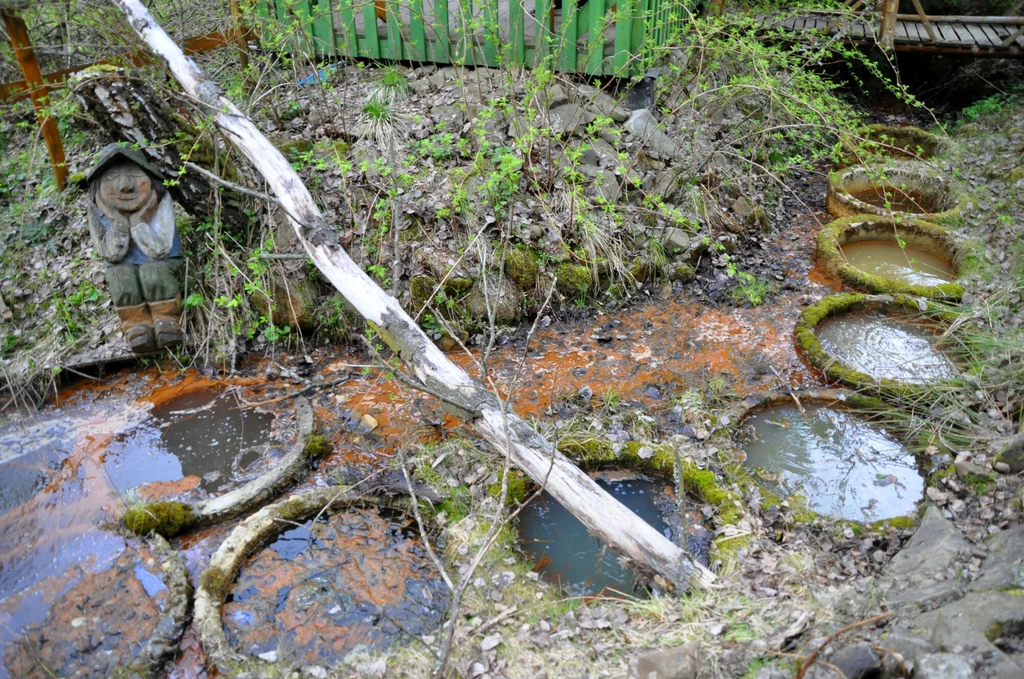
885,348
202,433
566,553
846,466
909,264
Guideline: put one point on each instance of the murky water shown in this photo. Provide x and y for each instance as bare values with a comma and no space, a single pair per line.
846,466
909,264
204,435
109,606
565,553
897,200
320,590
885,347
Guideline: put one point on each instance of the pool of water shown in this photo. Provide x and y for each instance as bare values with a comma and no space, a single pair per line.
885,347
897,200
203,434
326,587
909,264
568,555
846,466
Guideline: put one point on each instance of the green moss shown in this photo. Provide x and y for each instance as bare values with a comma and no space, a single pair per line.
77,178
458,285
902,522
1014,176
521,267
421,288
317,445
518,487
682,273
216,582
168,519
573,280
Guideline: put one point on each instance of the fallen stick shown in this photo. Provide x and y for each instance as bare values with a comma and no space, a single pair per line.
463,396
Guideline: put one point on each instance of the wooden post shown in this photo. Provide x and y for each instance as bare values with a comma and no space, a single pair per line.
243,36
465,397
38,92
887,31
924,20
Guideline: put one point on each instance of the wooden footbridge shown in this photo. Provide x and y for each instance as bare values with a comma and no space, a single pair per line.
995,36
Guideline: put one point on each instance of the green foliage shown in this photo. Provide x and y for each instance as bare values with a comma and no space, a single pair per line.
750,290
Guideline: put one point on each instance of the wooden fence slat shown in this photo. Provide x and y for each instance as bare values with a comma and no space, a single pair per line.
638,41
393,47
543,13
623,37
323,28
348,37
416,48
441,20
370,45
567,49
492,32
302,10
595,43
517,30
466,43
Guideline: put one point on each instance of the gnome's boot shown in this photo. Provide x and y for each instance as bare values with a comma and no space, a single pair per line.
137,325
167,319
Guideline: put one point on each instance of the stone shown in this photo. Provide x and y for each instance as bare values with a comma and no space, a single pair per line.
1012,454
933,549
607,156
910,646
269,656
292,303
943,666
372,669
644,126
1002,467
857,661
502,296
604,104
367,423
1003,568
490,642
556,96
972,622
569,119
682,662
966,470
675,241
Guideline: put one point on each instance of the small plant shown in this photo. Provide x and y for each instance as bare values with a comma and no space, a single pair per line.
380,122
393,87
750,290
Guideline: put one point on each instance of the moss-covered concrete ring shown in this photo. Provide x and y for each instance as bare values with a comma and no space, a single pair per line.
162,646
908,143
173,518
913,232
247,537
916,178
837,371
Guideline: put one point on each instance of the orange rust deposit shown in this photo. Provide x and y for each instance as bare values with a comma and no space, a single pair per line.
167,490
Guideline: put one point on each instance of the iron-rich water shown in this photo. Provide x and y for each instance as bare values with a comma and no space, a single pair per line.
204,433
846,466
324,588
885,347
28,455
567,554
909,264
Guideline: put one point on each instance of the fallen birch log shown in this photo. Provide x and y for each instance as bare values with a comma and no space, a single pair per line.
604,517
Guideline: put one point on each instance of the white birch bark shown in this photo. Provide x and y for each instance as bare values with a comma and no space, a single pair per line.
603,516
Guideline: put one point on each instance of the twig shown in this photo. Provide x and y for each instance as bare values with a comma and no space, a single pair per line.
419,521
496,620
814,655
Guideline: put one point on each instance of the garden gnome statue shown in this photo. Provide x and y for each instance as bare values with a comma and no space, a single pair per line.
131,219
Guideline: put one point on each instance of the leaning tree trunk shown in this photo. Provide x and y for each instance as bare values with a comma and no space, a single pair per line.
603,516
129,110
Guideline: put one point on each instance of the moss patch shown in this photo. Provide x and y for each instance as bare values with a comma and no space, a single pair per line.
518,486
573,280
168,519
317,446
521,267
216,582
682,273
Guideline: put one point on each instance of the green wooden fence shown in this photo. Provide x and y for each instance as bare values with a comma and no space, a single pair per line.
599,37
